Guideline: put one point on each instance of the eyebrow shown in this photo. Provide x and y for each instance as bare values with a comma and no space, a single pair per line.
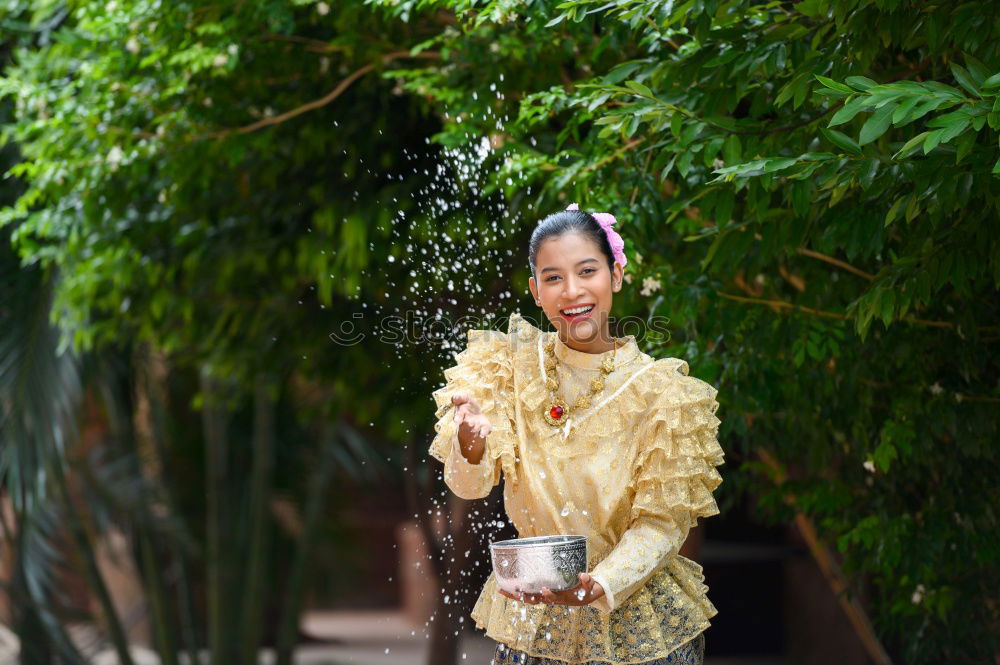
545,270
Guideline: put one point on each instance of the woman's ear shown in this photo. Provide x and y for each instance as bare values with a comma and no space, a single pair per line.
617,275
534,290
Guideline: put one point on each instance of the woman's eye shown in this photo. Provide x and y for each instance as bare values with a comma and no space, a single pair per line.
585,271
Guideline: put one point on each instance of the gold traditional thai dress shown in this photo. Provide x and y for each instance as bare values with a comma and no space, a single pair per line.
633,473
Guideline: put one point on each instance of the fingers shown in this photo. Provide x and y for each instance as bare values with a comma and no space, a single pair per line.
530,598
526,598
465,399
481,427
462,413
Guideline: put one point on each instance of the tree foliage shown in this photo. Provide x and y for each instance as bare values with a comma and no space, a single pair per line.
813,190
182,183
809,191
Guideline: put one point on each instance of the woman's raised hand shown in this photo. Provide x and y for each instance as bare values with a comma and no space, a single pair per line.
469,416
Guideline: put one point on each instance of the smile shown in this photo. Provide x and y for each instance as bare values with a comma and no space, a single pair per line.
577,313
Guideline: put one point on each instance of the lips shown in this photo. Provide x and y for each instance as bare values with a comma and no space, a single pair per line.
578,317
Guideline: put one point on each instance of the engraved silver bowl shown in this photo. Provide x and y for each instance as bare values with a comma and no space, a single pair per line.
528,564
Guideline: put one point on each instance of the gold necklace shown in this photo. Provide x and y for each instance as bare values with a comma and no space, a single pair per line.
556,412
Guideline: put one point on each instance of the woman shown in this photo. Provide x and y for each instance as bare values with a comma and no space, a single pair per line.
594,438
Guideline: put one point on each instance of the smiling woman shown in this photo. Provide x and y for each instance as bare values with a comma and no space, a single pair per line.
576,266
634,477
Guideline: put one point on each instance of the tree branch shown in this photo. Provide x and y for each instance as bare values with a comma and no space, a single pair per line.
617,153
317,103
781,304
831,571
836,262
315,45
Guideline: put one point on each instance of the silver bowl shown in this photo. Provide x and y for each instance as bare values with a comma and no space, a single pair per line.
528,564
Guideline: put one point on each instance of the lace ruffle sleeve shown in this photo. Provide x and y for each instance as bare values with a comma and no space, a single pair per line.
674,477
483,370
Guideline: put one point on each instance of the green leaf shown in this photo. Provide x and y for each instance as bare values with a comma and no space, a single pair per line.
964,146
860,82
639,87
801,92
800,197
912,210
899,116
728,56
772,165
910,145
732,150
869,173
619,73
787,90
925,107
684,163
841,140
724,207
633,124
876,125
675,125
893,211
991,82
666,168
883,455
833,85
711,150
690,133
976,68
964,79
848,111
954,129
932,140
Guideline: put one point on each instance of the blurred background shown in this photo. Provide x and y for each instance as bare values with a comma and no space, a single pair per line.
240,241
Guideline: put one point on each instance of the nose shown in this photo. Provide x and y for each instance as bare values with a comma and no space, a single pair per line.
571,289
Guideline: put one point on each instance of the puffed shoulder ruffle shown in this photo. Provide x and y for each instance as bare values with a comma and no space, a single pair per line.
484,370
679,447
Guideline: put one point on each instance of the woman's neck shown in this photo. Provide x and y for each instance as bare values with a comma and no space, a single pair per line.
602,344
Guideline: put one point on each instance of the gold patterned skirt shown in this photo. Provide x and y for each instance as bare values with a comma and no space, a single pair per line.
691,652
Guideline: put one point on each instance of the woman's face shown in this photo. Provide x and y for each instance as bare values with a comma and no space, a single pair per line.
572,273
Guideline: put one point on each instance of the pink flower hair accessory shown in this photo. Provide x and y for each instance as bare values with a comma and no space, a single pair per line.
606,219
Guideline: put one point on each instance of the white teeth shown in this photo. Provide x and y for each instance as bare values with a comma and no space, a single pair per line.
578,310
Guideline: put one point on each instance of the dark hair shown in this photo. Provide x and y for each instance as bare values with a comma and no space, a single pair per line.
569,221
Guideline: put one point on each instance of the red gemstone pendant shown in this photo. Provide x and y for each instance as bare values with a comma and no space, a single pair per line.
556,412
